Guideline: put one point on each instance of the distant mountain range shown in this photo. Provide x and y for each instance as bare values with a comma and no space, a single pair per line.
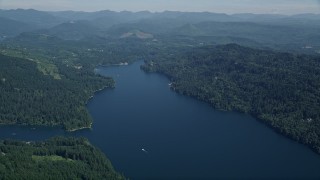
49,19
267,30
11,27
33,17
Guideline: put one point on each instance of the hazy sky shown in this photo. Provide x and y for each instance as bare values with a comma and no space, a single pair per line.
225,6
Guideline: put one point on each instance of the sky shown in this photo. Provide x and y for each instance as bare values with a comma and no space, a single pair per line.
219,6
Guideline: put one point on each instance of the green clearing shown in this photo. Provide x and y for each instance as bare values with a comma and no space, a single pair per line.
50,158
43,65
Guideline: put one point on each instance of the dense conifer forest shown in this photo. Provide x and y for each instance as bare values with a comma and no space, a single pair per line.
56,158
264,65
281,89
29,97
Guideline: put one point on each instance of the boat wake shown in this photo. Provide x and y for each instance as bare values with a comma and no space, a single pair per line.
144,150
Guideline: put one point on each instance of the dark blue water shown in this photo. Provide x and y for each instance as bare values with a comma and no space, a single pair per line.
182,137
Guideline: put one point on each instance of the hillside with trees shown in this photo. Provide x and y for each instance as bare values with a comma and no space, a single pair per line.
281,89
29,96
56,158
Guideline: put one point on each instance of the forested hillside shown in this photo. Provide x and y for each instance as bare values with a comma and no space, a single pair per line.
57,158
12,28
281,89
31,96
296,33
47,63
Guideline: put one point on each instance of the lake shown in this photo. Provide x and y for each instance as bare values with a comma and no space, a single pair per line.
148,131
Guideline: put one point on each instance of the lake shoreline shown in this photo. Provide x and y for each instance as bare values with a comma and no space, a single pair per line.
59,125
184,137
80,128
278,130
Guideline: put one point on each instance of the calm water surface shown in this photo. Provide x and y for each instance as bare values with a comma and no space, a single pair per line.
180,136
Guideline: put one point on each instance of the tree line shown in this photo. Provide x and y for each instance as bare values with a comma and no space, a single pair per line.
281,89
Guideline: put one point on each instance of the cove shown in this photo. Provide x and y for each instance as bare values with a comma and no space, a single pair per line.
182,137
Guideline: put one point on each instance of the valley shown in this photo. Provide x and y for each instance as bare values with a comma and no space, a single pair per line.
249,68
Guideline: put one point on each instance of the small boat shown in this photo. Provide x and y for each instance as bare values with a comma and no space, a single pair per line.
144,150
